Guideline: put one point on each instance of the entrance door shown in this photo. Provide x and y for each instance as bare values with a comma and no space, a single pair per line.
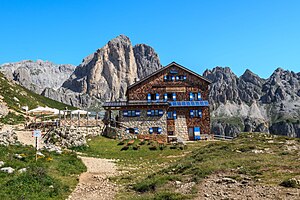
191,133
197,133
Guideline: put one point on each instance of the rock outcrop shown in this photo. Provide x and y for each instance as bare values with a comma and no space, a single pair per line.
36,76
8,137
286,129
3,107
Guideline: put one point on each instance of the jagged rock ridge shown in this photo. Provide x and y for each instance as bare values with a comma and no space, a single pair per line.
253,104
36,76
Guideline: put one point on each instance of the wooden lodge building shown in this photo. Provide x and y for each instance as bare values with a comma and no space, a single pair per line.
171,101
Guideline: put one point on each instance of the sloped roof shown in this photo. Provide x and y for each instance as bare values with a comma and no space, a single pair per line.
166,67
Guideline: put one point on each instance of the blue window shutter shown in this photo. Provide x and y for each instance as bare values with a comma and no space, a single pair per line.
157,96
174,114
138,113
136,130
184,78
191,96
151,130
200,113
149,97
174,96
199,95
191,113
165,78
166,96
159,130
177,78
173,78
160,112
125,113
148,112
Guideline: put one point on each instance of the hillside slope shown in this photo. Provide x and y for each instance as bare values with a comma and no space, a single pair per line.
13,97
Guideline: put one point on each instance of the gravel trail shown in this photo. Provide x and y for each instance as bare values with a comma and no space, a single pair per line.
94,184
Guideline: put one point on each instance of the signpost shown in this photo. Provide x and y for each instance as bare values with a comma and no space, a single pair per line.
36,134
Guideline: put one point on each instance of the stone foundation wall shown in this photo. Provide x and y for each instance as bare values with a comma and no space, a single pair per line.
181,127
144,122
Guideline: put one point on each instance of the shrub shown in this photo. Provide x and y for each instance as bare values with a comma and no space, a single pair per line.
137,147
125,148
292,183
153,148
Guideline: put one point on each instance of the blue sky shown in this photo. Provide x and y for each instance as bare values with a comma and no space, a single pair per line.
257,34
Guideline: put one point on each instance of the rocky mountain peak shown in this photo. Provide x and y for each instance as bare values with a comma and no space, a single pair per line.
120,39
106,74
281,85
251,77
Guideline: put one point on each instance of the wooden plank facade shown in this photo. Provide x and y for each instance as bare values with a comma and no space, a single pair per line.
171,101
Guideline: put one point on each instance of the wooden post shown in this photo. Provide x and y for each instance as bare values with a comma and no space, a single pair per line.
87,123
87,119
97,119
36,148
78,117
109,116
64,117
59,117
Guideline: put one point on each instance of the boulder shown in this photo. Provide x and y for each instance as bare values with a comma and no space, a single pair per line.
8,170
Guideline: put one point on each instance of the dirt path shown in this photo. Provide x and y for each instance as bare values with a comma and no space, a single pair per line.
94,184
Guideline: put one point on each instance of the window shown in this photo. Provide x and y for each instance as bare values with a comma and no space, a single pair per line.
170,96
132,130
153,113
196,113
131,113
152,97
180,78
171,115
169,78
195,96
156,130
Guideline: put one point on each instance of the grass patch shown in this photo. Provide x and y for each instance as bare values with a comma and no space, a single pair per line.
51,177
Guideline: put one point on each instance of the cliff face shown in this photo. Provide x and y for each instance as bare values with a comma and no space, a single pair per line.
36,76
253,104
105,74
146,59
